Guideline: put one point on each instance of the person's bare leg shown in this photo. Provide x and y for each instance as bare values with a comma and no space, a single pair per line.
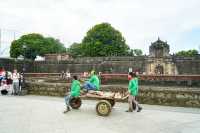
135,102
130,100
138,108
67,99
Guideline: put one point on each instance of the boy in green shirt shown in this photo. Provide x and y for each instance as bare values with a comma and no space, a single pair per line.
133,92
93,83
74,92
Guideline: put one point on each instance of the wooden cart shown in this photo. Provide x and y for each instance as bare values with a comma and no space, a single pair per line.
103,106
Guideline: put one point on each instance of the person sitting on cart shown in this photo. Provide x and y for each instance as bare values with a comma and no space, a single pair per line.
74,92
93,83
133,92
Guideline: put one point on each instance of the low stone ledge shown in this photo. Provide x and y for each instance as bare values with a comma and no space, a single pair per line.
158,95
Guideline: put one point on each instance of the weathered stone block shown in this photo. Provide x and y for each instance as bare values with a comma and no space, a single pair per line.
181,96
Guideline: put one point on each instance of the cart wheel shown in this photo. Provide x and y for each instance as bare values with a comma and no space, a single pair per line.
103,108
112,102
75,102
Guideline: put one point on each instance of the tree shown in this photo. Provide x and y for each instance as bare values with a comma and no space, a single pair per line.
75,50
188,53
101,40
55,46
35,44
135,52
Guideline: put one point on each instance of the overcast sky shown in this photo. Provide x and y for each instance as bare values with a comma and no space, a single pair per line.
140,21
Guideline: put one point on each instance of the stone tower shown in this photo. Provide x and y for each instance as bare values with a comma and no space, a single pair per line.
159,49
159,60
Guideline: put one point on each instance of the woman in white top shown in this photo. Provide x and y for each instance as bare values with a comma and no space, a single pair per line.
15,78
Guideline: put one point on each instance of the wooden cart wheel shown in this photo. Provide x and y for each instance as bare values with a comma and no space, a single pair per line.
103,108
112,102
75,102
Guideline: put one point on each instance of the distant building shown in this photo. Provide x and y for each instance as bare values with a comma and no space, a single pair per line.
159,60
57,57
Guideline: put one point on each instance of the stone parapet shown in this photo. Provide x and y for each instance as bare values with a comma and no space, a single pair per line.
158,95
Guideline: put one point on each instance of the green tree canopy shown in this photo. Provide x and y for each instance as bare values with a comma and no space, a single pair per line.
35,44
188,53
54,45
101,40
75,50
135,52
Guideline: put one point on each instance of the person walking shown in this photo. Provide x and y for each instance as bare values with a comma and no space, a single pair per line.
133,92
15,78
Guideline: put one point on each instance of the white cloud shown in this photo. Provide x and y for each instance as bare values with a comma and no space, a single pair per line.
140,21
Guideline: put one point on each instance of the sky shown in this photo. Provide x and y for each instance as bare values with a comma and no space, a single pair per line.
140,21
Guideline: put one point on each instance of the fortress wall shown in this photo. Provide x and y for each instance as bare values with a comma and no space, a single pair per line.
103,64
157,95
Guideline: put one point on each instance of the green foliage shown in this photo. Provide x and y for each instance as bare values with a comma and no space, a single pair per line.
101,40
135,52
54,46
75,50
189,53
35,44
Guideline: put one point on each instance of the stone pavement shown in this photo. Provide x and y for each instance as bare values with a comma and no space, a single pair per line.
39,114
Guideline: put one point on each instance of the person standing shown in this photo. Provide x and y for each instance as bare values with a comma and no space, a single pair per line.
2,74
74,92
68,75
9,82
62,74
133,92
4,87
21,82
15,78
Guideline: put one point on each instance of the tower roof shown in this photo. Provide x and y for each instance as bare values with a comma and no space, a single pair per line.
159,44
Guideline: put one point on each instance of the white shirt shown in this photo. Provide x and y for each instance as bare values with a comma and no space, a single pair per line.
68,75
15,77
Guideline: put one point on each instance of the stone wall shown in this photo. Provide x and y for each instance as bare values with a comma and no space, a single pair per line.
187,65
172,65
103,64
47,89
156,80
10,64
172,96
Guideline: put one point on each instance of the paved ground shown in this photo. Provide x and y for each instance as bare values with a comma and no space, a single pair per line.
37,114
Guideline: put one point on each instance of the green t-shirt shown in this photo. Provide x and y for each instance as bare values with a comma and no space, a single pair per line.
95,81
75,88
133,86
